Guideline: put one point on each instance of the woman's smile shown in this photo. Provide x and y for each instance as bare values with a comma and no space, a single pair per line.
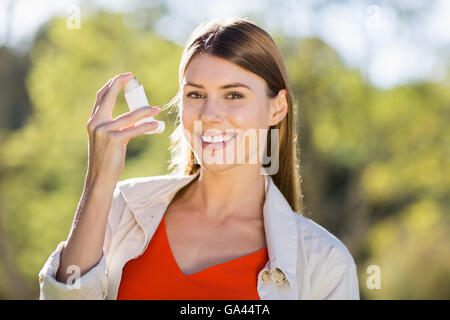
216,142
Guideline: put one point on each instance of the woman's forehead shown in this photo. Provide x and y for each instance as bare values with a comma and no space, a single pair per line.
209,71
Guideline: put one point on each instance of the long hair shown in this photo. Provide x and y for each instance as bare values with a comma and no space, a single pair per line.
250,47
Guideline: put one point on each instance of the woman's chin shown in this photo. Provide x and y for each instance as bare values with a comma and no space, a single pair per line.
217,167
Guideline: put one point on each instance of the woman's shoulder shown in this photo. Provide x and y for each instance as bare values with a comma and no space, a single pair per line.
149,180
319,243
143,189
150,183
137,194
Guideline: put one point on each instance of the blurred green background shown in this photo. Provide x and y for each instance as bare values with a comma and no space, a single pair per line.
374,155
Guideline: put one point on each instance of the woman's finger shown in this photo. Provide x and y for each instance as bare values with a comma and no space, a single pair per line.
133,131
131,117
109,99
99,96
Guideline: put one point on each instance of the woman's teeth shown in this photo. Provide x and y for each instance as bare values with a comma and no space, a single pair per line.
213,139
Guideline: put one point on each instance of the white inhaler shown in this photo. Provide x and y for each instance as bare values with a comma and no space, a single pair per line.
136,98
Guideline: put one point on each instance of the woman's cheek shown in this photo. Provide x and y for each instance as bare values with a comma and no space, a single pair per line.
187,120
243,118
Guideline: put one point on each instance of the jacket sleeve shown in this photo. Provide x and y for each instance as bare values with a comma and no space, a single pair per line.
339,280
339,283
92,285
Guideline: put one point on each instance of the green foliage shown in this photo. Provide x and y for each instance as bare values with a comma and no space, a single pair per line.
412,123
411,249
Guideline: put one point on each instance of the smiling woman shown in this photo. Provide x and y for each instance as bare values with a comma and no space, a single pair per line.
239,50
209,230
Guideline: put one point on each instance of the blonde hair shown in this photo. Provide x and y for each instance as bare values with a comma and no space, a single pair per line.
250,47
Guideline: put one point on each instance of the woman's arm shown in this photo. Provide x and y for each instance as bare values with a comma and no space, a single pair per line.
108,139
84,245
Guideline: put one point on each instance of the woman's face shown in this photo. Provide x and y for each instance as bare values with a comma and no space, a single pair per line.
226,112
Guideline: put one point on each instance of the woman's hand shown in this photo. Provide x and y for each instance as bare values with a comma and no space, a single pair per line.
108,137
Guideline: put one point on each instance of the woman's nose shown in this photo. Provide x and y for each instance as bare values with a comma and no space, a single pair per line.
210,112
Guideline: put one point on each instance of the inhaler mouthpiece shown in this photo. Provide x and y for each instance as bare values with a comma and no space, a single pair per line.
136,98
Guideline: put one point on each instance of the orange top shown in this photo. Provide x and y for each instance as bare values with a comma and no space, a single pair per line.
155,275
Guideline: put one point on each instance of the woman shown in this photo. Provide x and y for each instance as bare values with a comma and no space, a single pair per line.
222,226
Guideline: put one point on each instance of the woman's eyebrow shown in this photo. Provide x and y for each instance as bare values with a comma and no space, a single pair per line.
226,86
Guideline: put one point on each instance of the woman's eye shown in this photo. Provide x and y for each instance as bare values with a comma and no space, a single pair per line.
235,95
193,95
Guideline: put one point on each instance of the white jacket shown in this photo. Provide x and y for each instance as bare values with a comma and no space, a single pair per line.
305,260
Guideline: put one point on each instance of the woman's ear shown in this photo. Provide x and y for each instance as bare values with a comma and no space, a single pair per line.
278,108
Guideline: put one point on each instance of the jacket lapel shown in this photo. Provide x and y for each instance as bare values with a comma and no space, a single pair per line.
282,238
149,197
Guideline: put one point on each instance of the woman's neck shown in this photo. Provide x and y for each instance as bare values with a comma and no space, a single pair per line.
234,193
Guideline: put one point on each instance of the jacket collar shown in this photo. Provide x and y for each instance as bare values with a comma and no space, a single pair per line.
144,193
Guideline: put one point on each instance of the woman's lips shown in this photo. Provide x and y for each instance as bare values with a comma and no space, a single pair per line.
216,145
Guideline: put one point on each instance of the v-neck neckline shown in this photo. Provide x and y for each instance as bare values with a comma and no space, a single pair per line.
174,261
